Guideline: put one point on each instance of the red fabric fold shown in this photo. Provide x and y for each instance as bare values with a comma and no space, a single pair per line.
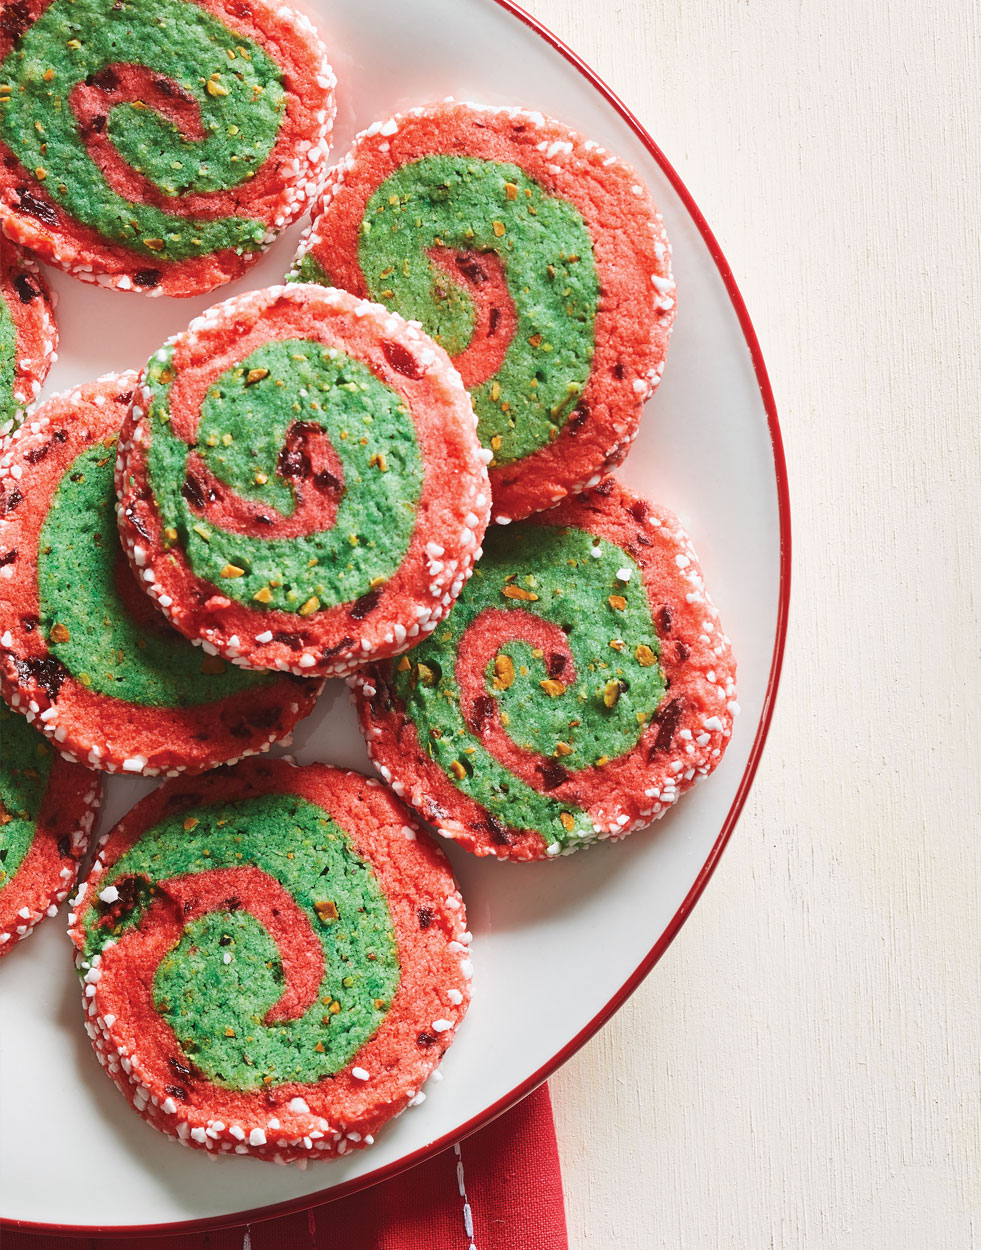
500,1189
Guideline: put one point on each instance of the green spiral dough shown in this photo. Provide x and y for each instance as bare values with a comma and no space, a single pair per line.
26,766
241,113
546,250
241,434
106,648
8,362
217,1007
573,574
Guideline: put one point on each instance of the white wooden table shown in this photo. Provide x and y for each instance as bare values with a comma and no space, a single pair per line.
801,1069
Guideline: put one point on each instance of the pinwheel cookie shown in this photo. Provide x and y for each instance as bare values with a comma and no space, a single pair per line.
158,147
534,257
301,481
47,807
274,959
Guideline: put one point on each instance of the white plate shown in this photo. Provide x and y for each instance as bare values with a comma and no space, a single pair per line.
557,946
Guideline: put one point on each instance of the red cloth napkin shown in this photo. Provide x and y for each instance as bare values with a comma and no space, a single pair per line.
498,1190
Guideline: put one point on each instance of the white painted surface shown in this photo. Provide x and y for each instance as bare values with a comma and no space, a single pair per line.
801,1068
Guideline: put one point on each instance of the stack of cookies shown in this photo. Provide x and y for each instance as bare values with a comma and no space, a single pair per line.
298,486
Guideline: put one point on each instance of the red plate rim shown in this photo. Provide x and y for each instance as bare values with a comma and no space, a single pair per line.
304,1203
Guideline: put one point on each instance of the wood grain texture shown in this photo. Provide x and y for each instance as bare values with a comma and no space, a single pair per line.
801,1070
